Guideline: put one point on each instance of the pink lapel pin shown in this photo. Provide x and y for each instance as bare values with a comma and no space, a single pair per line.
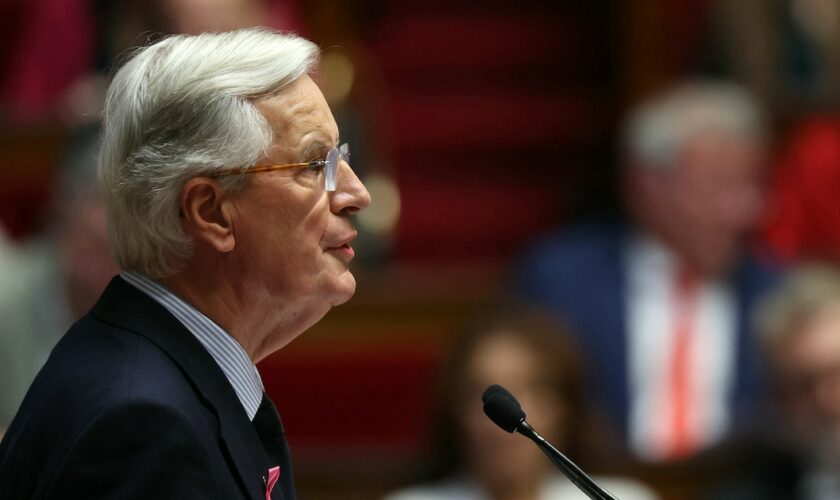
273,476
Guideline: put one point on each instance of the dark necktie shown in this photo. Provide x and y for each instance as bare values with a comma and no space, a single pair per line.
270,431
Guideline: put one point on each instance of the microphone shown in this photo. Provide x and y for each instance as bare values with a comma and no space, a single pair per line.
504,410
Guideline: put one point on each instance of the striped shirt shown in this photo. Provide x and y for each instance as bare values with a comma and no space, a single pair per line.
231,357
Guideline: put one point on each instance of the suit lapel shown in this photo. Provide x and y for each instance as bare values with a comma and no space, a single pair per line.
127,307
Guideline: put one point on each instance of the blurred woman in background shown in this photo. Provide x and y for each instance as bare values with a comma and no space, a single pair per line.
796,455
531,356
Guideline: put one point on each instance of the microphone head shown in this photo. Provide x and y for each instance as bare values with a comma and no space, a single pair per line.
493,390
502,408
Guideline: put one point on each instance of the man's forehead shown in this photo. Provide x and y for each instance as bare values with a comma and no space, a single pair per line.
299,110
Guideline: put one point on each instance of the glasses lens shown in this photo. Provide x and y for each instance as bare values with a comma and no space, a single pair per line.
344,149
331,169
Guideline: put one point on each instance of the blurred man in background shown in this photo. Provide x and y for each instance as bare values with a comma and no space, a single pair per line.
661,300
55,277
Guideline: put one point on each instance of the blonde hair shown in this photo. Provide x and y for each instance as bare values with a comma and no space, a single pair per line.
806,291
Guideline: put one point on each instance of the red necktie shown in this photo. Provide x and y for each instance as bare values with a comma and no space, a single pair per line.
682,439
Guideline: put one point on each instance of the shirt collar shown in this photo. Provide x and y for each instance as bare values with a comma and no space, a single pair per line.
228,353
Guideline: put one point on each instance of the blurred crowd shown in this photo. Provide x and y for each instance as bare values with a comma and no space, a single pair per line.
684,345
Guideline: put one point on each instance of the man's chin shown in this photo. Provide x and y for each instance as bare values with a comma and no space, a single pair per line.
344,289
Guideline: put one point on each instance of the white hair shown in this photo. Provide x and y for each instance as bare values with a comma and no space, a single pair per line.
181,108
656,130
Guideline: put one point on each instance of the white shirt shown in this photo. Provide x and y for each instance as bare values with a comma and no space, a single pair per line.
228,353
651,318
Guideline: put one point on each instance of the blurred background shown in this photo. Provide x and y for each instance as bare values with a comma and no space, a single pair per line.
480,128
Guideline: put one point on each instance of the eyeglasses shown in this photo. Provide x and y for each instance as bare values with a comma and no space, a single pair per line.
329,166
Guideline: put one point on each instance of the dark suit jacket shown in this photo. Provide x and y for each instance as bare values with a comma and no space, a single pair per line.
581,274
130,405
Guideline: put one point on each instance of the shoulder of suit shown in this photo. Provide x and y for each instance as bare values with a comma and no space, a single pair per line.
575,244
96,367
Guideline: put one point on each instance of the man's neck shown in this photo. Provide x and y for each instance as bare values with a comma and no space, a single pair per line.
215,299
261,323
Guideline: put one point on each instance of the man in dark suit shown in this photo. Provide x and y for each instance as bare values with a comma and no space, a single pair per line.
155,393
661,303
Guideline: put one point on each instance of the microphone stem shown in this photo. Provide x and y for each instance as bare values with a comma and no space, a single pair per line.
566,466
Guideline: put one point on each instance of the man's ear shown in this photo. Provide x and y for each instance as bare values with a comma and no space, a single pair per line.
206,213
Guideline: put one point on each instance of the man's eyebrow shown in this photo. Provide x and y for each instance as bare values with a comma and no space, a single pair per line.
314,148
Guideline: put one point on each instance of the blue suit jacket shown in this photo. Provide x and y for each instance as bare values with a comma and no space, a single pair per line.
580,274
130,405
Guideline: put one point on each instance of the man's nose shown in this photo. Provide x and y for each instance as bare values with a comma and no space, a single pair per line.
350,194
